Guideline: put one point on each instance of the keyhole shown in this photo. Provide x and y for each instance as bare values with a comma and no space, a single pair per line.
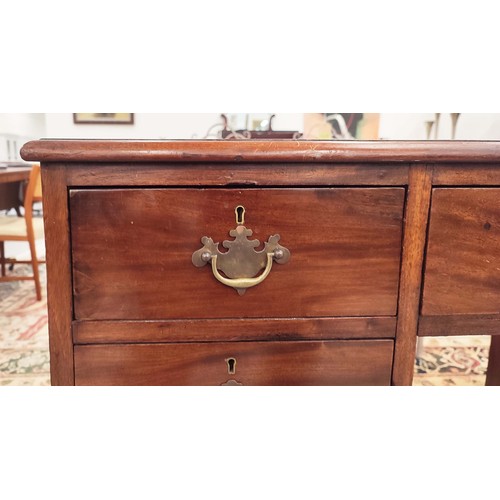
240,214
231,366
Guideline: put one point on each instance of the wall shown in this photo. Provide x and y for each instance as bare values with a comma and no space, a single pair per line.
16,129
24,124
478,126
153,126
470,126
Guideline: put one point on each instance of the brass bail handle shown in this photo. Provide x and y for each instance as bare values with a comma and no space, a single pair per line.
240,266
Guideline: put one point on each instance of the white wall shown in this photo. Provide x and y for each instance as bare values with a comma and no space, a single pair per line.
478,126
145,126
16,129
24,124
470,126
153,126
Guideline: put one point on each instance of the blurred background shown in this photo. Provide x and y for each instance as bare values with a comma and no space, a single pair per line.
17,128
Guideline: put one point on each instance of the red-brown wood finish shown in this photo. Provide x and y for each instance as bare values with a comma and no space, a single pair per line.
115,352
261,151
470,324
132,252
236,175
256,363
417,208
98,332
11,179
466,175
59,295
14,174
462,274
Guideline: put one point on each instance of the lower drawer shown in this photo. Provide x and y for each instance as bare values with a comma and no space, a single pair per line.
245,363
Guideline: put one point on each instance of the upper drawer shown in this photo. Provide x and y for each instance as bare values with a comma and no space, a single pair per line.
132,252
462,272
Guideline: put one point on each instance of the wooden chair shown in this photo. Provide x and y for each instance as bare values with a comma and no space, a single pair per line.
24,228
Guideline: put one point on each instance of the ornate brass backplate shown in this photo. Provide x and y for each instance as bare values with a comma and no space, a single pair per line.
241,263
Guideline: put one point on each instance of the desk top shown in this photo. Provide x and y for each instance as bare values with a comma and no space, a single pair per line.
260,151
14,174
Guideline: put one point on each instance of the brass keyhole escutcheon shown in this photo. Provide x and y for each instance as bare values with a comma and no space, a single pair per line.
240,214
241,266
231,366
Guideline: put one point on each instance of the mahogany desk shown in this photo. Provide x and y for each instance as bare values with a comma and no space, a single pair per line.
360,246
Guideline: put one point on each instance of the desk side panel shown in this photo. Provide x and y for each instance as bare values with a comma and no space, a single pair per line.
59,288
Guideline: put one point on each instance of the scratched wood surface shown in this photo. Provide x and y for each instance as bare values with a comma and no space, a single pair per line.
255,363
132,252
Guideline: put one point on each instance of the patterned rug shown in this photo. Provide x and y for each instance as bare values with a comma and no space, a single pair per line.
452,361
24,351
24,345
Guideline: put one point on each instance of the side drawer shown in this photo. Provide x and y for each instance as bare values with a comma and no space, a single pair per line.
462,272
236,363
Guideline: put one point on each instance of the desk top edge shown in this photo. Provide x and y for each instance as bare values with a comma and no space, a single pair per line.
259,151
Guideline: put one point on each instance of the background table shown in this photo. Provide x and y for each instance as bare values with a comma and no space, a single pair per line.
11,179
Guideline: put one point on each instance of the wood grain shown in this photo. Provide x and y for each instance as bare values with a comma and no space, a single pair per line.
236,175
132,252
59,293
417,210
470,324
267,151
466,175
257,363
462,273
96,332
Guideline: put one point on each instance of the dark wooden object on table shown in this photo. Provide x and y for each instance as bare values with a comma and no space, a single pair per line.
269,133
123,218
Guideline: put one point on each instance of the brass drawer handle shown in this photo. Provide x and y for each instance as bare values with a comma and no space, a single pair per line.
241,264
240,283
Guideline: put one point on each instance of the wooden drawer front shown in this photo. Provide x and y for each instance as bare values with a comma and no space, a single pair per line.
462,272
256,363
132,252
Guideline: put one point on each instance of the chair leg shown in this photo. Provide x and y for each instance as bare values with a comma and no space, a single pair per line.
36,274
493,373
2,256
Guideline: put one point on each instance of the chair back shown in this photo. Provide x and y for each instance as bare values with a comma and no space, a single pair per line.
29,196
37,193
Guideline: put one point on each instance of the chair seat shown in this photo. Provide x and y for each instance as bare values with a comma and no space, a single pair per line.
16,226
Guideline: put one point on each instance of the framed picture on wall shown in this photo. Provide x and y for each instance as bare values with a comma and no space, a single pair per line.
104,118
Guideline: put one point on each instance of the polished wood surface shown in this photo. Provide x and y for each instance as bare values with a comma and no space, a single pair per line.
417,208
132,252
466,175
256,363
260,151
203,330
59,296
237,175
373,257
463,324
462,274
